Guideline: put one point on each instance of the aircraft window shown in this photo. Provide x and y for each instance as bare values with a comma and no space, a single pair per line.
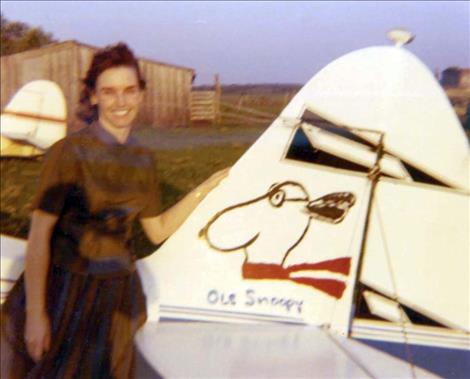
420,319
363,312
416,174
421,177
321,123
301,150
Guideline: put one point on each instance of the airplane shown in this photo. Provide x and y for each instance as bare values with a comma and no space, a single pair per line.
33,120
338,246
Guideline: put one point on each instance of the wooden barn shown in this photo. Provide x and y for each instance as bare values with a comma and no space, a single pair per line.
167,97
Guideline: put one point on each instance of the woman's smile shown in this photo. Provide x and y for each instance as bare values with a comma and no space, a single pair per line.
118,98
121,113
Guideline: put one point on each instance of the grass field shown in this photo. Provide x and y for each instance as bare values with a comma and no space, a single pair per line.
180,170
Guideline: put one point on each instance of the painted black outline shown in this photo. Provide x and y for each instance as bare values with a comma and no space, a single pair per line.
331,208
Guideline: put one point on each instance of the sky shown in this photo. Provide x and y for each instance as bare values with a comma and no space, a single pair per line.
255,41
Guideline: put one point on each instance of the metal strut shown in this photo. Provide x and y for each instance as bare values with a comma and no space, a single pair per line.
374,176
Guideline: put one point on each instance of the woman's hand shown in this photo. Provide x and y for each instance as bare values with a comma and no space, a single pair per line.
159,228
212,182
37,335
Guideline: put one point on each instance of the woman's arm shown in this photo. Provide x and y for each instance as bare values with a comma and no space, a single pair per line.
159,228
37,329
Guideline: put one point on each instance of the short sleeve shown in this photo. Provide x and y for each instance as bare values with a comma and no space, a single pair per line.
153,202
56,180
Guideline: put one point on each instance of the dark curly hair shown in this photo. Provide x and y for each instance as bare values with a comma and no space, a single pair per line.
110,56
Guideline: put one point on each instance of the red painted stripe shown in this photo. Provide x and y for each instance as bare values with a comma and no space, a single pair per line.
332,287
35,117
264,271
339,265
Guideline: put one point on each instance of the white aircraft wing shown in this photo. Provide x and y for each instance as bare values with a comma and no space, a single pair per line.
12,262
33,120
216,350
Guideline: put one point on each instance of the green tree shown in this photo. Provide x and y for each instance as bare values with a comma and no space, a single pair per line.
17,36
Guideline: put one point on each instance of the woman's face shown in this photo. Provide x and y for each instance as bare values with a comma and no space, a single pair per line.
118,97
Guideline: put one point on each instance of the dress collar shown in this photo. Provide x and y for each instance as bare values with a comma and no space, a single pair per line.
107,138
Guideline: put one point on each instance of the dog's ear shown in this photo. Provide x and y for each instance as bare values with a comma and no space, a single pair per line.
273,186
331,208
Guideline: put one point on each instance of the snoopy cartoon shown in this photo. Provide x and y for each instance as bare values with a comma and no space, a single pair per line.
269,227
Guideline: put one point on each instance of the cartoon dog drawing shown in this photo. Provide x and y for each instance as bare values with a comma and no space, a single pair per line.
269,227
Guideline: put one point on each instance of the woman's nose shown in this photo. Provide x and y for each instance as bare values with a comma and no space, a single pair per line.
121,99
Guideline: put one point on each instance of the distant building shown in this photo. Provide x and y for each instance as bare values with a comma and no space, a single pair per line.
167,97
456,83
465,78
456,77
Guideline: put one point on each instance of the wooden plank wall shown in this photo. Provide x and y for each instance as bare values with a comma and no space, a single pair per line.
166,101
167,97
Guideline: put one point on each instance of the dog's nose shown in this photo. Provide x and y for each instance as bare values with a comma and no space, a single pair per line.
332,207
327,212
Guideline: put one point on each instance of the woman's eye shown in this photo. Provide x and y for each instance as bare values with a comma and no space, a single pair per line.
131,91
106,92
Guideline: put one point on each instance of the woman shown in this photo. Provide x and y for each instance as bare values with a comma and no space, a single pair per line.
74,312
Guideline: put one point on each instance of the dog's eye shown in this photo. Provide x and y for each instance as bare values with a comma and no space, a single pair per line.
277,198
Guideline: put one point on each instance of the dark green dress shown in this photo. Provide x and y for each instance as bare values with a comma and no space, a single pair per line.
95,301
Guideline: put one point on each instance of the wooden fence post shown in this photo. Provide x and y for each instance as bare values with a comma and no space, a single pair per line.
218,93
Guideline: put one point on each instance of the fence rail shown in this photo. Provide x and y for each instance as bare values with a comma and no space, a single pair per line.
239,114
204,106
